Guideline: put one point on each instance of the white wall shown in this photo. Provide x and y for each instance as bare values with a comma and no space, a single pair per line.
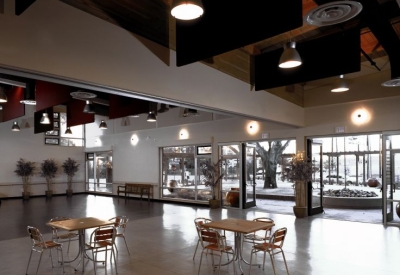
29,146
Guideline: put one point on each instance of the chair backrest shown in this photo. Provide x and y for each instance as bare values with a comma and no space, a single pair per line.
56,219
104,234
278,238
267,232
212,237
120,222
36,237
198,222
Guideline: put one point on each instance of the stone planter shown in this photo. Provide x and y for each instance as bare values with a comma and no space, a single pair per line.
373,182
232,197
214,204
300,210
398,209
49,194
69,192
26,195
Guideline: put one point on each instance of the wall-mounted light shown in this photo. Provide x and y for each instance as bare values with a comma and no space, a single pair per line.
45,119
15,127
134,140
290,57
151,117
361,116
252,127
89,107
3,97
183,134
340,85
103,125
187,9
68,131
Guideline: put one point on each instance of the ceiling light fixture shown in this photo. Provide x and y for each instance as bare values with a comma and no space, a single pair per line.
187,10
290,57
89,107
340,85
15,127
29,94
68,131
45,119
190,112
151,117
3,97
103,125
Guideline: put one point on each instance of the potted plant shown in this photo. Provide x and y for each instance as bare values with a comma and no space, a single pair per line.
211,176
299,171
25,169
48,170
70,167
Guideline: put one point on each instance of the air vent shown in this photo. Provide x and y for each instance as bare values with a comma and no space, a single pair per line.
395,82
333,13
80,94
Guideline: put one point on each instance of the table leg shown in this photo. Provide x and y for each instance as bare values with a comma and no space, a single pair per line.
81,250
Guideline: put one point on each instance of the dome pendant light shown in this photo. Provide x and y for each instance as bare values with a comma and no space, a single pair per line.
187,9
89,107
15,127
103,125
151,117
29,94
45,119
68,131
290,58
340,85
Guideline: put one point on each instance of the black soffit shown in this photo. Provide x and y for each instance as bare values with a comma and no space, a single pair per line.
228,25
328,56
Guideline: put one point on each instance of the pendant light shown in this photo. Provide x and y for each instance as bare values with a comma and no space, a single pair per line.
3,97
187,9
190,112
45,119
89,107
68,131
103,125
290,57
15,127
151,117
29,94
340,85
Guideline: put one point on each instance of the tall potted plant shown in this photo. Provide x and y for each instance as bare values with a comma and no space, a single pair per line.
25,169
299,170
70,167
48,170
211,176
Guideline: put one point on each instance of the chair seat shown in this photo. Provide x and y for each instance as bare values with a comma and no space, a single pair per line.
253,237
48,244
216,248
265,246
69,235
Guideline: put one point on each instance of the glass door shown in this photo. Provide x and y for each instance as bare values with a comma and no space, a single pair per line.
99,172
249,176
315,188
391,179
231,195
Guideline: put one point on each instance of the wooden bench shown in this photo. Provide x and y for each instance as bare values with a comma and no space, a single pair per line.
136,189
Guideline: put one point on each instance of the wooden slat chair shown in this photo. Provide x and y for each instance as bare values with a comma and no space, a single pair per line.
198,222
259,236
272,246
63,236
120,224
213,243
102,240
39,245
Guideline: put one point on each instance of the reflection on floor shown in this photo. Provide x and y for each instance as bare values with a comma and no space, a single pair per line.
162,239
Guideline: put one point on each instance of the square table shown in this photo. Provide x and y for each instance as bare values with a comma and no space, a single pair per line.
80,224
240,227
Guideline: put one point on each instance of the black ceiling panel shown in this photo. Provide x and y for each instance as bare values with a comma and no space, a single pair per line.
328,56
227,25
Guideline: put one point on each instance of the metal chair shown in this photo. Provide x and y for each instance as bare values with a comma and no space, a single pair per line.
215,244
198,222
259,236
40,245
62,236
120,225
102,239
273,246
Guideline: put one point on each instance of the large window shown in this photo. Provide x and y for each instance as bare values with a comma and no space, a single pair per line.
181,177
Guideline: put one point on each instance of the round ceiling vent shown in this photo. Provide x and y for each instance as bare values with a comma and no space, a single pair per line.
395,82
82,94
333,13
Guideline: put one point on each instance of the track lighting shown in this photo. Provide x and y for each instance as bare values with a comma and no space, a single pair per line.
151,117
45,119
290,58
15,127
103,125
187,9
340,85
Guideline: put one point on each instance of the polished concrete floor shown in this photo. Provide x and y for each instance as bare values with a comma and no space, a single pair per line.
162,238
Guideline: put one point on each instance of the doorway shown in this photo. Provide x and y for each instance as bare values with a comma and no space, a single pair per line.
99,172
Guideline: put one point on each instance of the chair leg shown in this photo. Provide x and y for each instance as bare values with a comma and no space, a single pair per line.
40,258
29,261
197,245
126,244
273,262
62,259
265,254
251,259
284,260
201,259
115,260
